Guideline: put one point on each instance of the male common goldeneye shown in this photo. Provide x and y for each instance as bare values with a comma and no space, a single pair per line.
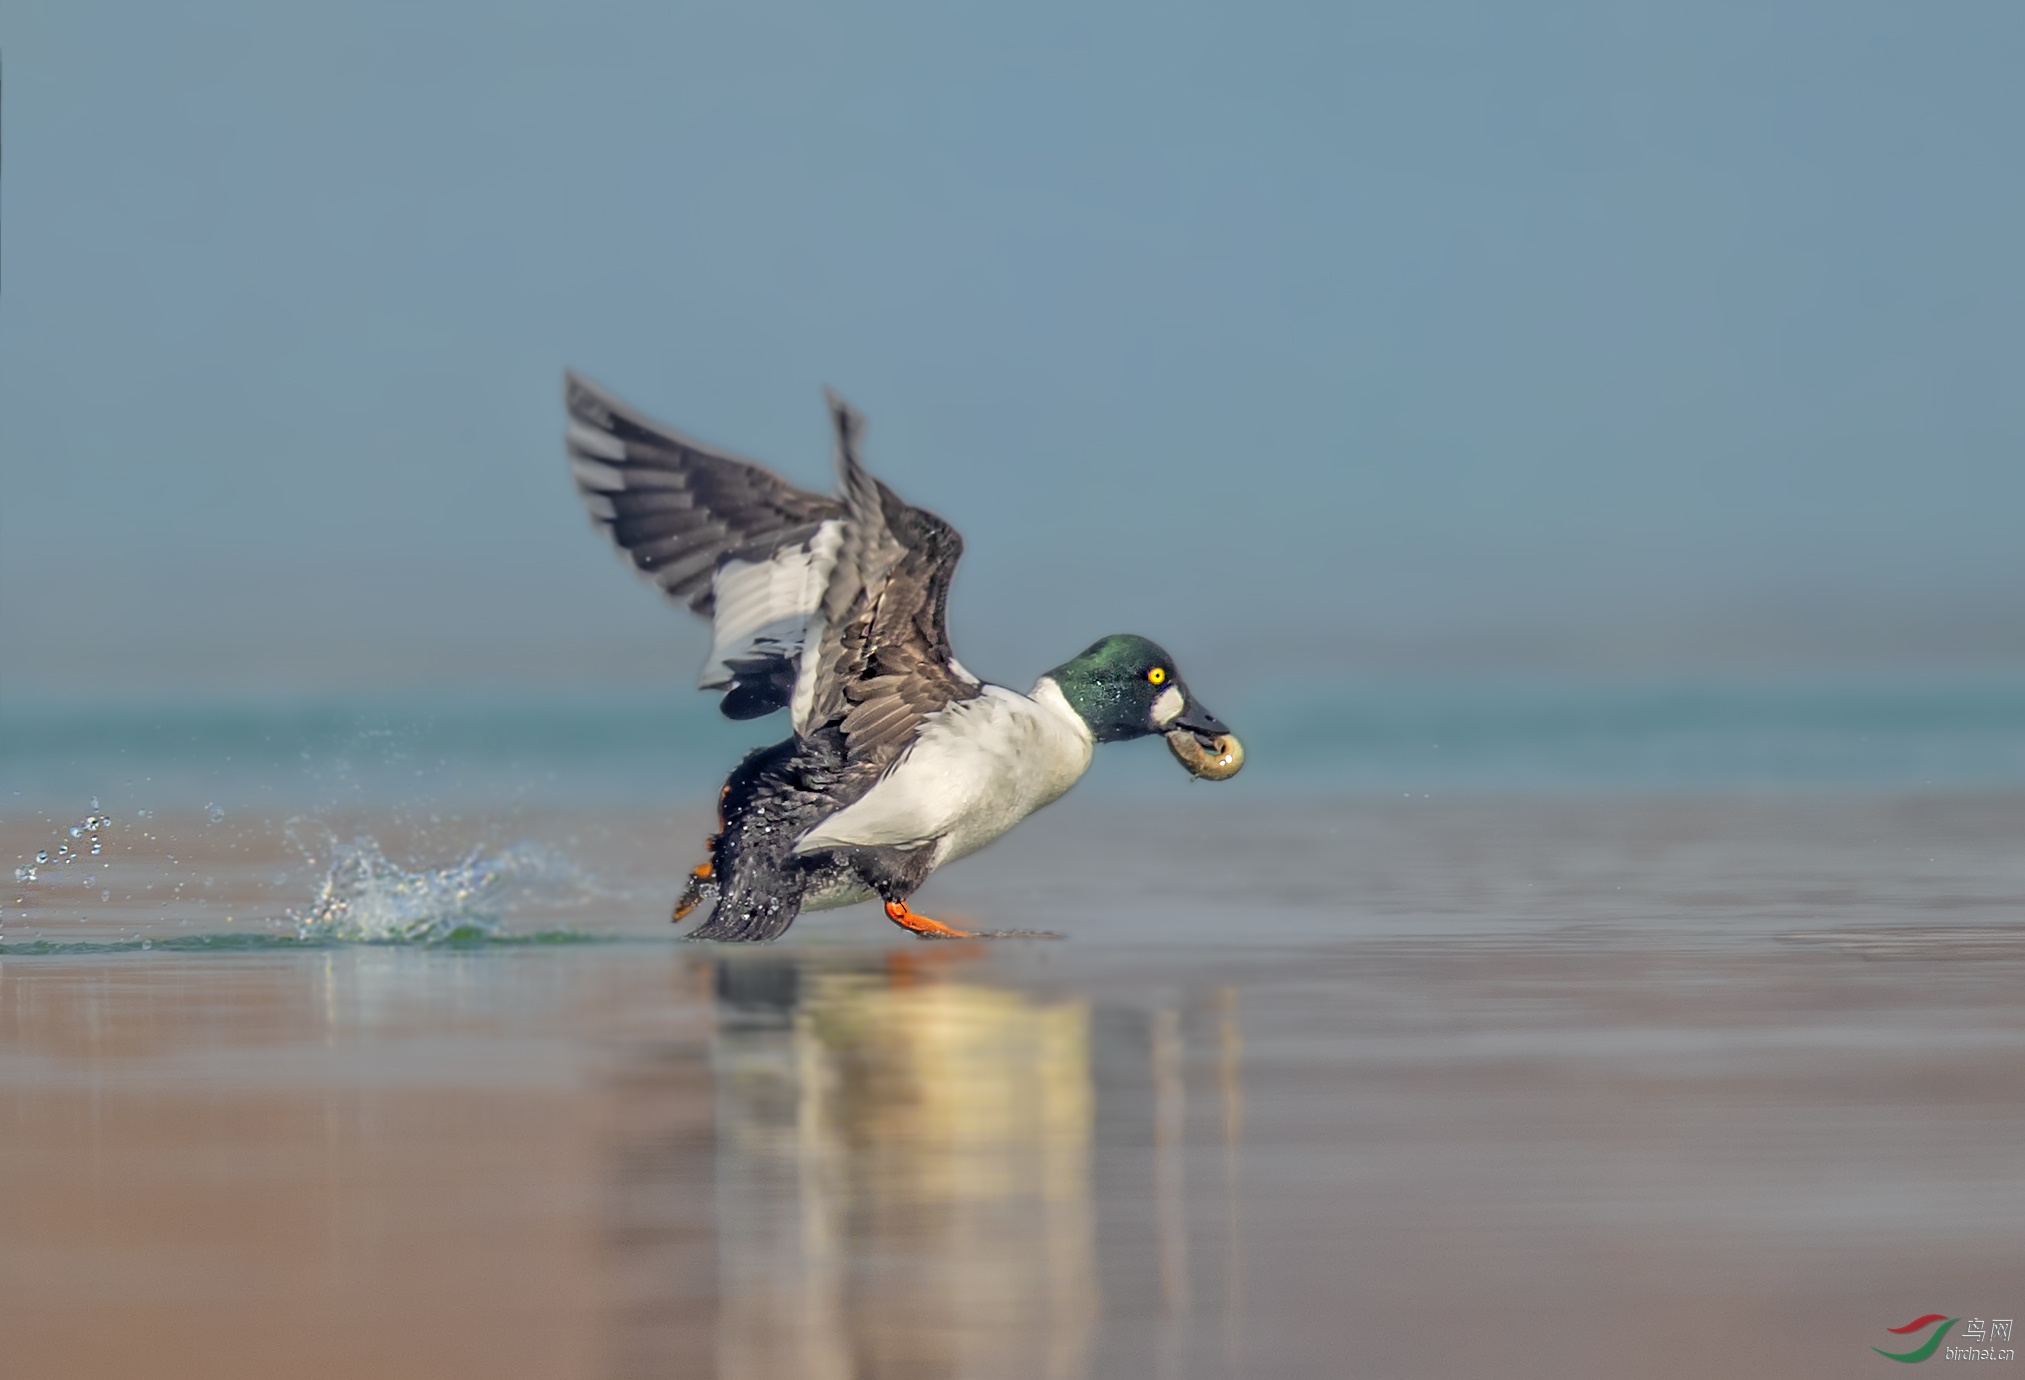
834,609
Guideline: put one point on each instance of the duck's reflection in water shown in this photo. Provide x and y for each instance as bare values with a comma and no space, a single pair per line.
887,1167
902,1175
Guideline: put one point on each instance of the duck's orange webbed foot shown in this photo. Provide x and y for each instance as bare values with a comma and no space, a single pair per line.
897,912
700,876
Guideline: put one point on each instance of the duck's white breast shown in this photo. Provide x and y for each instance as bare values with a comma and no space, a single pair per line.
977,768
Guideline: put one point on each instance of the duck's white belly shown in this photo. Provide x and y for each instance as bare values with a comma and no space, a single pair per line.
978,768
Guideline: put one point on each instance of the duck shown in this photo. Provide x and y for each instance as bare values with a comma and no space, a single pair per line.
834,608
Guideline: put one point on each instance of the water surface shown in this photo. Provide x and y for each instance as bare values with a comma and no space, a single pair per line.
1564,1084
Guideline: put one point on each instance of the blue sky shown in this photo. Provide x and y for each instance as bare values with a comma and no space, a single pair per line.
1559,337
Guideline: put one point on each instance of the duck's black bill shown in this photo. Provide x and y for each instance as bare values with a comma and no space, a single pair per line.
1199,721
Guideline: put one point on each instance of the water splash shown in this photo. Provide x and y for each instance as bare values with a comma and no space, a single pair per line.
367,898
87,828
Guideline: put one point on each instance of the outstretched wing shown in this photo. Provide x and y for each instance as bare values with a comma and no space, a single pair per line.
735,542
881,661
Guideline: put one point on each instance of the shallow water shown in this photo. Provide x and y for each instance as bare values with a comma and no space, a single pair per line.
1527,1085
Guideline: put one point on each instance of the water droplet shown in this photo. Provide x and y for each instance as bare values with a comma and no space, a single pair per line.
24,873
42,855
96,847
147,943
217,813
77,831
94,804
105,895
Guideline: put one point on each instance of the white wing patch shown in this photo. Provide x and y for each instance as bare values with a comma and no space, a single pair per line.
807,671
763,608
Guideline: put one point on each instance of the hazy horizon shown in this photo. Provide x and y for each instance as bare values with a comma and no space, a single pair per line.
1567,341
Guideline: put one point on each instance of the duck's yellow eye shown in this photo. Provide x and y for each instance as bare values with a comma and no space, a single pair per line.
1158,675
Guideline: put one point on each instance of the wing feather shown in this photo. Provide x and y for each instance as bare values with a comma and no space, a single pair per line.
635,474
883,662
690,518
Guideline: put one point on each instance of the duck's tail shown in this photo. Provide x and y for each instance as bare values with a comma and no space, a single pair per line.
758,881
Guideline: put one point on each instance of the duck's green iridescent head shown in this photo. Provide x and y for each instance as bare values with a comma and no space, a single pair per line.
1125,686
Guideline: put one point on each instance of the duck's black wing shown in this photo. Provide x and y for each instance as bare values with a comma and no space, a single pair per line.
881,656
732,541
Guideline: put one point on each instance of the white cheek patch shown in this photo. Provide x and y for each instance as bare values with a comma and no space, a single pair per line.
1168,707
